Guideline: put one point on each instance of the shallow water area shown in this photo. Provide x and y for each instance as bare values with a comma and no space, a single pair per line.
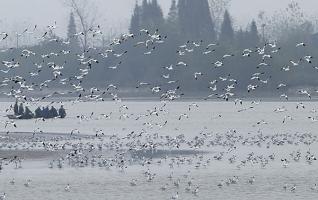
257,134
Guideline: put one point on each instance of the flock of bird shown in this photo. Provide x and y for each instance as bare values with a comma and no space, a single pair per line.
20,86
115,152
112,151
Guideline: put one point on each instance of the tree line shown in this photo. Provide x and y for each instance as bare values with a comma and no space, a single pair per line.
188,23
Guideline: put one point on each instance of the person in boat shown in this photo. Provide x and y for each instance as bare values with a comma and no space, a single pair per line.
53,112
16,108
46,112
21,109
62,112
38,113
27,114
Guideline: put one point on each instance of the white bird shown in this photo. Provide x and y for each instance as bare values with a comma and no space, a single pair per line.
308,59
67,188
183,115
285,187
188,188
142,84
210,45
133,182
218,64
263,64
5,71
293,188
300,105
182,64
281,85
176,183
220,184
196,191
156,89
148,52
227,56
236,101
281,109
164,187
302,44
286,68
27,184
305,92
313,119
251,180
110,86
3,196
189,50
314,187
169,68
285,162
214,88
284,96
272,45
251,87
294,63
196,74
166,76
193,105
176,196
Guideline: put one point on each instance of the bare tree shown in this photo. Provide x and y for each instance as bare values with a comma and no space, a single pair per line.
291,22
217,9
86,14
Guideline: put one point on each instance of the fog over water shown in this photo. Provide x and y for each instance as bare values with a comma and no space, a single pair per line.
16,13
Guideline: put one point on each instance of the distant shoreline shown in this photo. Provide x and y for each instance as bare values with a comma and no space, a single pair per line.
29,155
183,99
45,134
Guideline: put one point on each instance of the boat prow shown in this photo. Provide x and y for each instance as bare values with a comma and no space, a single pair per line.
14,116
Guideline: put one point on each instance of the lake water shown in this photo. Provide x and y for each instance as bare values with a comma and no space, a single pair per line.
221,122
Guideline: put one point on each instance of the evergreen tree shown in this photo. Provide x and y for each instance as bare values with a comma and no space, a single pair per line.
195,20
241,37
172,22
151,15
253,34
227,31
135,20
16,108
157,15
145,14
182,16
71,31
207,23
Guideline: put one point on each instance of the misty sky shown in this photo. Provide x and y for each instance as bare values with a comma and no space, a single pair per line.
16,14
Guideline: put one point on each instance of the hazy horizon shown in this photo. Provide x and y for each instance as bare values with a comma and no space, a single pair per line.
16,16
